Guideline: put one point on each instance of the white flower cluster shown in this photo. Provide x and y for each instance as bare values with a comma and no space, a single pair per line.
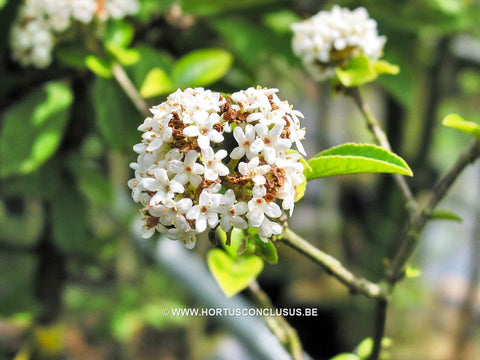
34,32
189,181
332,38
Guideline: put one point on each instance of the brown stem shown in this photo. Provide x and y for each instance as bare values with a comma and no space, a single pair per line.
412,233
379,327
333,266
130,89
381,138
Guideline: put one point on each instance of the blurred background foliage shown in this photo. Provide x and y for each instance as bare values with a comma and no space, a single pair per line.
73,282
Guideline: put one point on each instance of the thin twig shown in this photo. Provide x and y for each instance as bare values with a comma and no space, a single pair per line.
378,327
380,136
411,235
130,90
286,334
333,266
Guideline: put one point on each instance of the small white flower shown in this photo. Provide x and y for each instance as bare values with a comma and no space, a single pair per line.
172,213
253,169
258,208
205,212
188,170
188,237
252,99
269,228
272,140
203,128
247,143
213,163
231,212
163,187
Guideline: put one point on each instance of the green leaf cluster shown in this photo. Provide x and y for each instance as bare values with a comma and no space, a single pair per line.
197,68
33,129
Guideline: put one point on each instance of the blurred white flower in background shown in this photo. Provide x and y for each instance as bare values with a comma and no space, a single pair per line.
39,23
332,38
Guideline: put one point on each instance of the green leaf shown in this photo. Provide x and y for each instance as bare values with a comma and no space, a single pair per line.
116,117
157,82
33,128
365,348
300,190
211,7
124,56
346,356
149,58
69,215
280,21
237,240
445,215
119,33
412,272
100,67
3,3
71,54
384,67
266,250
355,159
233,275
457,122
201,67
359,71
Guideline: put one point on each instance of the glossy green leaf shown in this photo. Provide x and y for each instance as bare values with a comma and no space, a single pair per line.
266,250
157,82
116,117
69,235
346,356
355,159
126,57
3,3
457,122
33,129
100,67
359,71
233,275
201,67
445,215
